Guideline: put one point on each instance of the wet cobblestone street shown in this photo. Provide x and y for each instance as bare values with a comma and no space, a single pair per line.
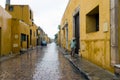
45,63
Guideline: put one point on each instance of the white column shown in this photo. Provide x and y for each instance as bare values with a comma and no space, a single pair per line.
114,32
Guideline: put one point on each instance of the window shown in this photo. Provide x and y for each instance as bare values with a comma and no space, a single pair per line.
92,20
10,8
31,15
23,37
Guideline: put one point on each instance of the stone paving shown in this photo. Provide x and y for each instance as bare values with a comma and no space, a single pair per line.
46,63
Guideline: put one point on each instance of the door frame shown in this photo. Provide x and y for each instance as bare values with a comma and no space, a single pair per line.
77,11
66,36
27,41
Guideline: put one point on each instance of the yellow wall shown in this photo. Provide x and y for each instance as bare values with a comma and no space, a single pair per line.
5,24
18,28
22,18
34,36
59,41
62,38
21,12
73,4
92,47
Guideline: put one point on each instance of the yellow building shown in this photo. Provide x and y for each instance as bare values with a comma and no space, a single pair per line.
89,21
59,36
21,12
33,35
20,36
65,40
23,28
5,32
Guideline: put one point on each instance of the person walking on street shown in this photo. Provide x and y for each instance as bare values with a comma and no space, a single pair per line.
73,46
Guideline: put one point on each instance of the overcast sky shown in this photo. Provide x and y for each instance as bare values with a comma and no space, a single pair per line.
47,13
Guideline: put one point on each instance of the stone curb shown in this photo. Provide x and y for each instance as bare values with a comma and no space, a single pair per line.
86,75
80,70
7,57
14,55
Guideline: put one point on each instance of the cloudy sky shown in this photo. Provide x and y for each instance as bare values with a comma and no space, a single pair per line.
47,13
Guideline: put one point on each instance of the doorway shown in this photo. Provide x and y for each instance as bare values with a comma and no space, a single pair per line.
27,41
30,37
67,36
77,33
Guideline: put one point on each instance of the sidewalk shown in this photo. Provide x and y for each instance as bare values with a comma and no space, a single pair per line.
89,70
3,58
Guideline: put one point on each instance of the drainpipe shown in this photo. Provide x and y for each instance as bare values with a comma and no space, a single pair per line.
114,32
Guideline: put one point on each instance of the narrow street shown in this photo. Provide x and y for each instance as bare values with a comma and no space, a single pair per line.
46,63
